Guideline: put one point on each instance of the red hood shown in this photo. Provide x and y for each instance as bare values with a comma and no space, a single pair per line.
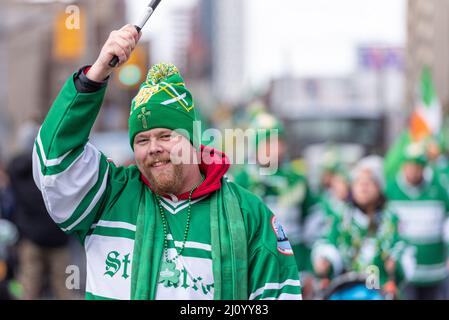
214,164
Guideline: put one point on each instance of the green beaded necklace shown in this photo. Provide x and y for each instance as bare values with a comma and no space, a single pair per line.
169,273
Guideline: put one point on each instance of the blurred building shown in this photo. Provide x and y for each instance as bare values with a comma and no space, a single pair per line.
376,84
25,46
379,76
364,107
428,44
228,40
38,52
200,49
328,110
181,37
216,52
199,68
380,84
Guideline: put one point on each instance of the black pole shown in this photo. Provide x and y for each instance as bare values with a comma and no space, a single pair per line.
149,11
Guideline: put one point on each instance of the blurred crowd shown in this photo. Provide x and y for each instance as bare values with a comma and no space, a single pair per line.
374,229
34,252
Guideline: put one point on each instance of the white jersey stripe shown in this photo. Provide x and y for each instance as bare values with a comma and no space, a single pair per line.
275,286
63,192
49,162
92,203
185,205
285,296
114,224
173,203
191,244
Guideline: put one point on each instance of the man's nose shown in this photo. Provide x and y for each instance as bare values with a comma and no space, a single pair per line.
154,147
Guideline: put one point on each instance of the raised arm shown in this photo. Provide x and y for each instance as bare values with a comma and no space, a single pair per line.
70,172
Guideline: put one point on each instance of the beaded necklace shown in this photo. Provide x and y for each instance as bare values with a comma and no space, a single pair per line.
168,273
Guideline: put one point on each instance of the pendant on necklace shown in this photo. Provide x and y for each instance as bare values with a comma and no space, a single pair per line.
169,273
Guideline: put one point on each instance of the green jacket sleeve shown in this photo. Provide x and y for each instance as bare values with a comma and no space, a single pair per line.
70,172
273,273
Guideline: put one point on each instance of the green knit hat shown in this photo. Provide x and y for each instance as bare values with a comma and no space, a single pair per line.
267,123
162,102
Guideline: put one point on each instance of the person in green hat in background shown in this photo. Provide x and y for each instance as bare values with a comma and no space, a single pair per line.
284,190
336,196
170,227
333,182
422,205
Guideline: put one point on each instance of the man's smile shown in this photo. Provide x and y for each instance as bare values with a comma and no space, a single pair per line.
158,164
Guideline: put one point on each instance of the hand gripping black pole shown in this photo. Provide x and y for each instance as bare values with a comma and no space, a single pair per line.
148,12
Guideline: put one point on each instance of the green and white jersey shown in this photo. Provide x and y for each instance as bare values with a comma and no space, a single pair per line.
195,263
89,196
333,206
423,222
353,243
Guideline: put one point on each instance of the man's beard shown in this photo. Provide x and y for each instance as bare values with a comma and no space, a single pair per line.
168,180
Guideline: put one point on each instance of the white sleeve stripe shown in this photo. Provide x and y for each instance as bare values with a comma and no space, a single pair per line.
92,204
49,162
114,224
276,286
37,172
285,296
66,190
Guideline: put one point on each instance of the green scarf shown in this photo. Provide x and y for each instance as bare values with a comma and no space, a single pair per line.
229,247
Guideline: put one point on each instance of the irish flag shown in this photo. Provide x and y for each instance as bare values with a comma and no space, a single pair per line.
426,120
427,117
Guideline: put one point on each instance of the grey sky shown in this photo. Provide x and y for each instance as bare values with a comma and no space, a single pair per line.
303,37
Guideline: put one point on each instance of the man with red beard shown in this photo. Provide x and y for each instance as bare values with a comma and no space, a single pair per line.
171,227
